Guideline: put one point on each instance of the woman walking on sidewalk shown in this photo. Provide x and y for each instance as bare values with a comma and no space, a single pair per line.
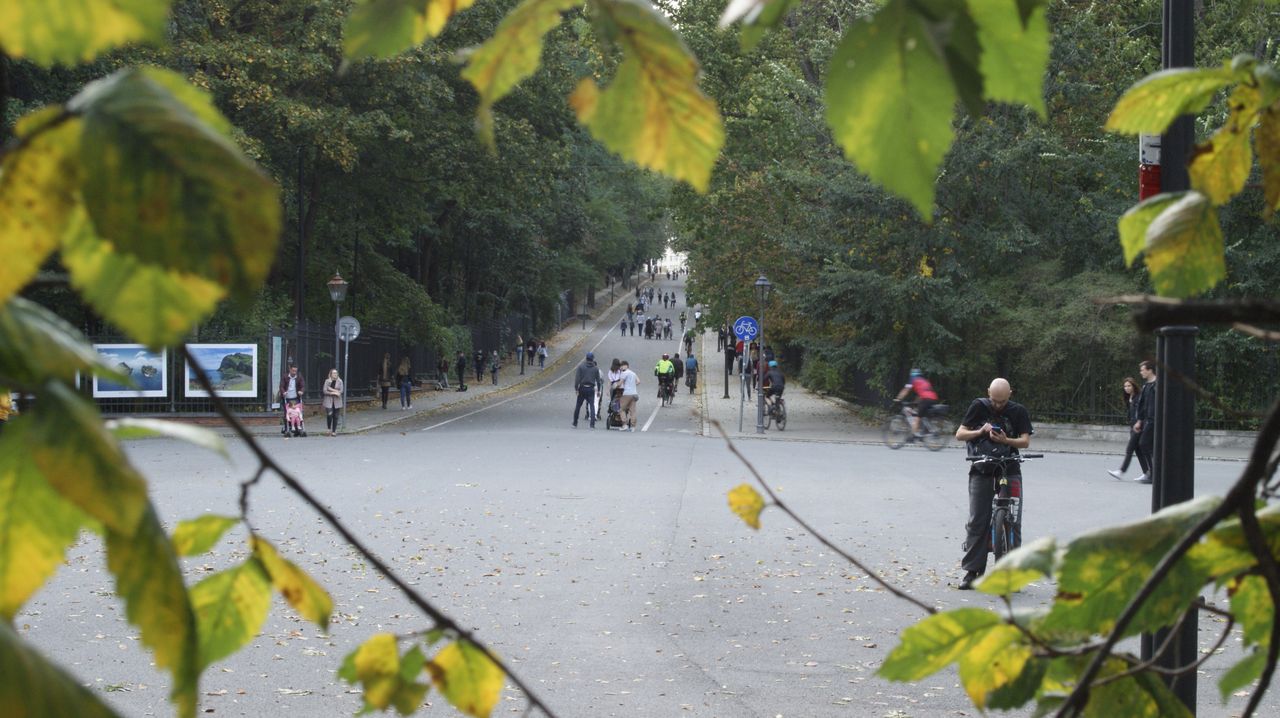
404,380
384,378
1131,411
332,401
542,355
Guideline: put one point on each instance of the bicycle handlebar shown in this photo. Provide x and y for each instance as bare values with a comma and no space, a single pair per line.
992,459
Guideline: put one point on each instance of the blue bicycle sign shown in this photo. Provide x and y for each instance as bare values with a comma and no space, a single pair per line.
746,329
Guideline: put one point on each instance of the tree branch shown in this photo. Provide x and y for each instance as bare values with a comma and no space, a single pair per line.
1151,312
266,463
1241,493
817,535
1271,573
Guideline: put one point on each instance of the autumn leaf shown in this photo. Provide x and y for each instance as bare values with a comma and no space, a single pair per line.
747,503
467,678
302,592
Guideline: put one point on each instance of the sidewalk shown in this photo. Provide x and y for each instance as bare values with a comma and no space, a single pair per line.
563,348
813,417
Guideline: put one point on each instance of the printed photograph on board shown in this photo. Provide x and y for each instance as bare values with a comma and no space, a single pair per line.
232,369
148,370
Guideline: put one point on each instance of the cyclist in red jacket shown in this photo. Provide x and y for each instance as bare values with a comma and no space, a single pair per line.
925,397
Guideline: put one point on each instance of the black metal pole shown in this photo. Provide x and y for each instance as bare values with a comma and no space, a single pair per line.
1177,50
1173,457
298,281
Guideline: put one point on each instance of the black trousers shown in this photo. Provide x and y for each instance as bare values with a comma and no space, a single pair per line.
385,391
588,397
978,529
1134,438
1146,444
331,418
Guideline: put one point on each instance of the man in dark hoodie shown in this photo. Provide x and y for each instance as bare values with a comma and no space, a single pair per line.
587,382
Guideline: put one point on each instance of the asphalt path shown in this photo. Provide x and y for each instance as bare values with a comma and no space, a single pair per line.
605,566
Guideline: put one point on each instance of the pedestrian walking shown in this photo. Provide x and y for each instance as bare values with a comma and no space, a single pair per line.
630,384
404,379
633,326
479,362
494,363
520,352
720,337
542,354
1130,397
587,384
1146,423
442,370
623,327
385,378
332,401
460,367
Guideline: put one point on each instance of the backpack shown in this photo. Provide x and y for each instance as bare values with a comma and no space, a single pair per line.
984,446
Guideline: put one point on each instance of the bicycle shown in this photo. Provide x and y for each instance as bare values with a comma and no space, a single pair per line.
666,391
935,428
775,412
1006,504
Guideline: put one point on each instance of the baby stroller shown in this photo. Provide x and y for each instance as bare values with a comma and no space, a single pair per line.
615,410
293,420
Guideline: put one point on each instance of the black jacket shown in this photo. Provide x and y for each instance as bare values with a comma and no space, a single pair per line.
1147,403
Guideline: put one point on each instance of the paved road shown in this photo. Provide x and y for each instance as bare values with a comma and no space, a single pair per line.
606,566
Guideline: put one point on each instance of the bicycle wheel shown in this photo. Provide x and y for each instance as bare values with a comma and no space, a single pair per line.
1001,540
768,417
937,431
896,431
782,416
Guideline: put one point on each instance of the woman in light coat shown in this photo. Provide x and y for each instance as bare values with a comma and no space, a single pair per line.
332,401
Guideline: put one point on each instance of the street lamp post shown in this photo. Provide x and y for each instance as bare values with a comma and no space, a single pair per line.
337,292
762,295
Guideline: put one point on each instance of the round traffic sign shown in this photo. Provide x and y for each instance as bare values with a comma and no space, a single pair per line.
746,328
348,329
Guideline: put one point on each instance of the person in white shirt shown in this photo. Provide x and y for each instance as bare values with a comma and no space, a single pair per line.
630,396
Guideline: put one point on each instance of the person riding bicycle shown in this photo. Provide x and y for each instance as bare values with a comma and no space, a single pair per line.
666,373
774,382
994,426
683,318
926,397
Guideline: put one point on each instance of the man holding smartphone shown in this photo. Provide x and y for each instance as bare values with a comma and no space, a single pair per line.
994,426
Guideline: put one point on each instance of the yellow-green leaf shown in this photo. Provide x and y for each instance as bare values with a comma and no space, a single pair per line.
156,306
1267,138
1155,101
196,536
936,641
1184,249
388,679
1134,222
36,524
302,592
747,503
652,112
993,661
128,428
1020,567
38,185
37,345
167,189
65,32
1144,695
1253,608
149,580
230,607
1220,166
386,28
511,54
1242,674
1015,54
31,686
1102,570
82,461
890,101
467,678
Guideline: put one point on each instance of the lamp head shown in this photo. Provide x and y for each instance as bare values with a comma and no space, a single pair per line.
337,288
762,288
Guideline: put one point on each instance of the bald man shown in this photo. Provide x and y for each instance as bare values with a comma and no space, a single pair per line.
994,423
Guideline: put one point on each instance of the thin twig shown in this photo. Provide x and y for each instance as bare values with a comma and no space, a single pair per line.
1241,492
817,535
1175,375
1150,312
1265,335
441,620
244,492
